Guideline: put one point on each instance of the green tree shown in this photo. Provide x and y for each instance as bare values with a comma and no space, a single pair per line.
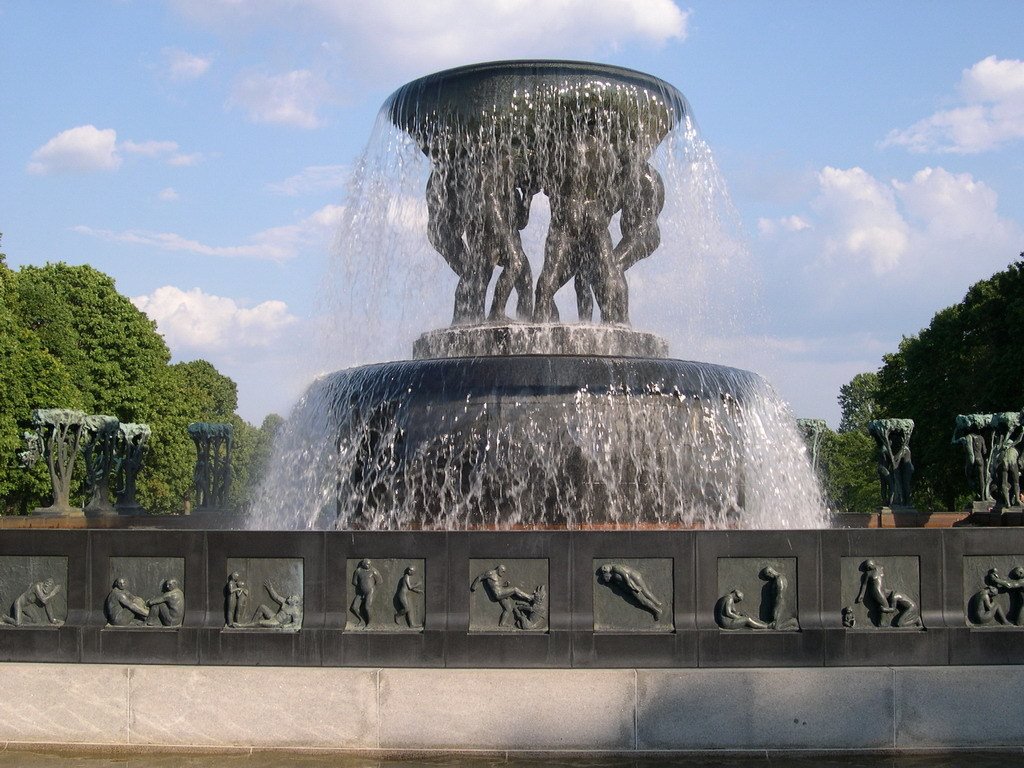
848,471
111,349
30,377
183,393
969,359
253,451
68,339
858,402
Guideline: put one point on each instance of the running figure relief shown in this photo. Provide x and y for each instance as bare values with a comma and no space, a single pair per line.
386,595
404,608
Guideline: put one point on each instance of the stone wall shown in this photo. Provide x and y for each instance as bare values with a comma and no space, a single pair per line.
142,708
542,599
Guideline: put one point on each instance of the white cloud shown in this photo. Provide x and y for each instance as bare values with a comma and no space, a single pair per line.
862,222
181,65
954,208
87,148
148,148
274,244
784,224
313,178
193,321
290,99
77,150
261,345
168,195
991,113
883,256
167,150
182,159
410,36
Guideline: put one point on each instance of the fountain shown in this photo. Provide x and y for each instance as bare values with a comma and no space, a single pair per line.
535,422
433,569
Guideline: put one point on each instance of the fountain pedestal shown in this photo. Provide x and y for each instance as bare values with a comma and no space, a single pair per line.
511,339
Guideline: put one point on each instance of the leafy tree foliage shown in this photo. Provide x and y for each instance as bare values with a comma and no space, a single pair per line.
858,402
848,471
68,339
111,350
847,463
29,374
968,360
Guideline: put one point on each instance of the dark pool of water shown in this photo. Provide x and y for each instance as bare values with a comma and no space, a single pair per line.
20,759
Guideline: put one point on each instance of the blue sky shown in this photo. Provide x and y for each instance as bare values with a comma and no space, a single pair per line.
197,150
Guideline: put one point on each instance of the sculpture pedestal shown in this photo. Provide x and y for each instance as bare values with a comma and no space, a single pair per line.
511,339
130,510
898,509
58,512
107,510
1008,515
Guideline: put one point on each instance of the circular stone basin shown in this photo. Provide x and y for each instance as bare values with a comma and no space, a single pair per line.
537,440
530,91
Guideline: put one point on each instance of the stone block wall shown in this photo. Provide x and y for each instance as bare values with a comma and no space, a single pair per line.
526,599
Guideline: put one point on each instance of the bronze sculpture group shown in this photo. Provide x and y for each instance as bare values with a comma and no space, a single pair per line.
999,602
885,607
113,453
211,477
992,455
477,210
984,610
366,578
895,468
499,134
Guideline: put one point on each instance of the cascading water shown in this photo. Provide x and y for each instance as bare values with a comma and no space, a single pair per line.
532,422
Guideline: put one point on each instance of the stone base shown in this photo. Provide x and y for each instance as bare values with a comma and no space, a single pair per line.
107,511
1008,515
58,512
148,708
538,339
130,510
